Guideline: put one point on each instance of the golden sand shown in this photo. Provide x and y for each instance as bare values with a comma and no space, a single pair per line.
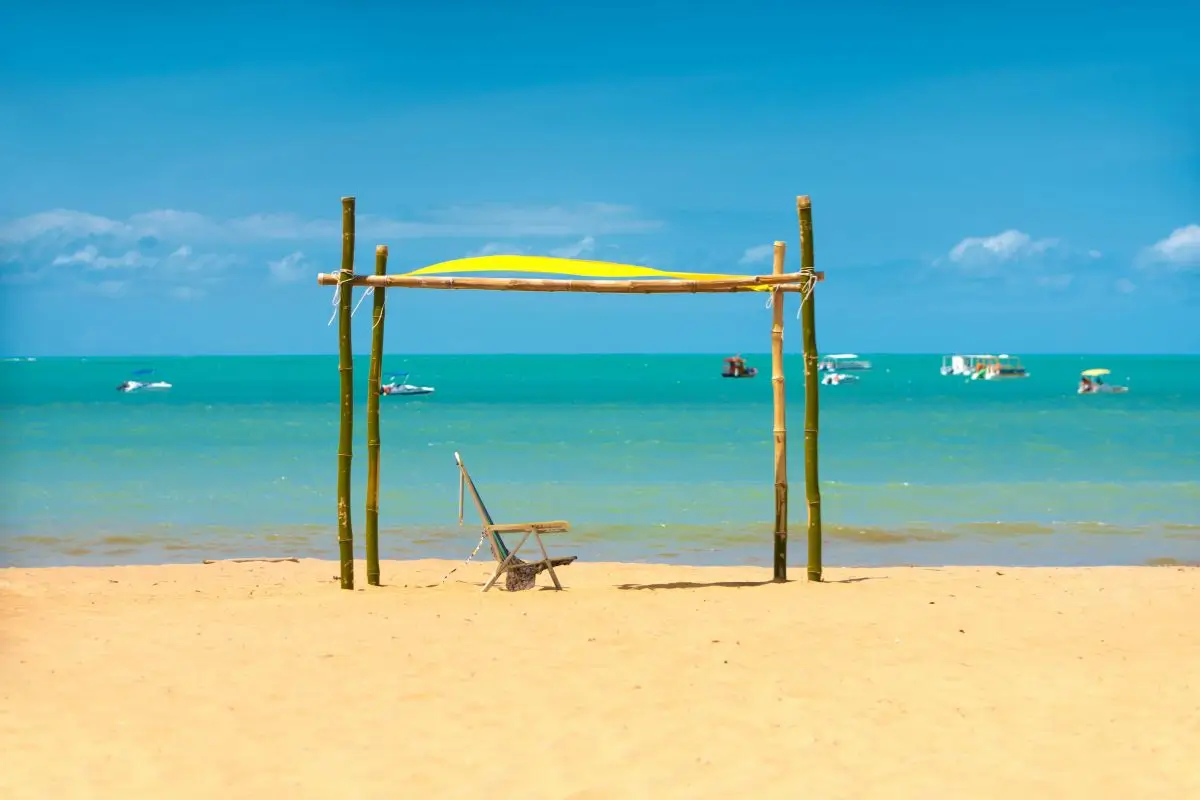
266,681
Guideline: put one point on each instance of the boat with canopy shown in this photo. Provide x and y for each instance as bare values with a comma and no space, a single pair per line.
1091,381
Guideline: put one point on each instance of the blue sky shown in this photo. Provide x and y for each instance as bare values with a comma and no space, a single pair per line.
1025,180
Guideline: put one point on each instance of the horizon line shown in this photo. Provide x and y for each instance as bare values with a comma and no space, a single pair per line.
22,357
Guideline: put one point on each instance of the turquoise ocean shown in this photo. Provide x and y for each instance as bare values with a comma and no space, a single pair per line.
651,458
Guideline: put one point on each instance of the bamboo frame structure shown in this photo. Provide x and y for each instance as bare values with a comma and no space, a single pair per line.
779,429
786,282
346,372
778,283
808,324
374,380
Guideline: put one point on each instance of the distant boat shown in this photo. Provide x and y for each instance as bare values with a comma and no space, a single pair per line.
837,378
1001,367
403,386
964,365
842,362
735,367
1091,381
140,384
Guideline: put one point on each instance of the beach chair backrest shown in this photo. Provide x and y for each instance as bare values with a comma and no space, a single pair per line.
499,549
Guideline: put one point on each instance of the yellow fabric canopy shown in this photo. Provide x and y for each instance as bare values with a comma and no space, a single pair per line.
1092,373
579,268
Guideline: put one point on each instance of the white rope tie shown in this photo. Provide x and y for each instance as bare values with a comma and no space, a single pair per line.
482,538
360,300
337,293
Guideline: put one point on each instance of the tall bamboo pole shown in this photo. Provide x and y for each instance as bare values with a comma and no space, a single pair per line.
780,427
374,379
346,371
808,321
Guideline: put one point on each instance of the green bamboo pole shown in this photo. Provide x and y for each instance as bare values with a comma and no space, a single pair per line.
780,420
808,321
346,371
374,380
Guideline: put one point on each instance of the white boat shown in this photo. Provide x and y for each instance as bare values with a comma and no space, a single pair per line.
1001,367
135,385
842,362
964,365
837,378
1091,381
403,386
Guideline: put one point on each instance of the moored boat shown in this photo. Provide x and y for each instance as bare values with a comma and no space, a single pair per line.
735,367
1001,367
842,362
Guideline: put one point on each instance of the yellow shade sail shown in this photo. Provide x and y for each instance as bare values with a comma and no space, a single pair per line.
580,268
1093,373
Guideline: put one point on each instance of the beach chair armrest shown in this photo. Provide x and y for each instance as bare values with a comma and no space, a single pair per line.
554,526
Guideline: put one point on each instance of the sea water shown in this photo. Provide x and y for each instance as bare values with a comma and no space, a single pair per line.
651,458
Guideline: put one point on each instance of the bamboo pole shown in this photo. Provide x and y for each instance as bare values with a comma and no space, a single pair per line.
808,321
780,427
374,379
789,282
346,371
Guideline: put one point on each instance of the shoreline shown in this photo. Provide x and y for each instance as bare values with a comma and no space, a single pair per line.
406,564
267,679
1006,545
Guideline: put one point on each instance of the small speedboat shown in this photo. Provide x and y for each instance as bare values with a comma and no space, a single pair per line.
142,385
134,386
837,378
1091,381
403,386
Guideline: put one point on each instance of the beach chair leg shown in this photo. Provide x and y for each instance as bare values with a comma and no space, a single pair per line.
505,563
549,565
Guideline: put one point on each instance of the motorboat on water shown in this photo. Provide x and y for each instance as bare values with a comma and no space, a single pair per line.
142,383
1001,367
403,386
837,378
843,362
1091,381
964,365
735,367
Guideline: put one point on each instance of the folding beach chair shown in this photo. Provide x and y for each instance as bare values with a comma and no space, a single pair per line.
519,575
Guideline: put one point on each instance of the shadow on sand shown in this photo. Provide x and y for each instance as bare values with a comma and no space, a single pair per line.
733,584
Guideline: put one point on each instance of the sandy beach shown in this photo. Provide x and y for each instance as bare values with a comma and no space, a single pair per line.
266,680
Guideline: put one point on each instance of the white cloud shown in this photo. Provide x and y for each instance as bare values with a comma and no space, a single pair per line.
1180,250
59,223
90,258
756,254
589,219
201,248
985,252
1094,254
1125,286
583,247
290,268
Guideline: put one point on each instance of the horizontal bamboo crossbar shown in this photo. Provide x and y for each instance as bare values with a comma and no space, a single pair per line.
555,526
790,282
